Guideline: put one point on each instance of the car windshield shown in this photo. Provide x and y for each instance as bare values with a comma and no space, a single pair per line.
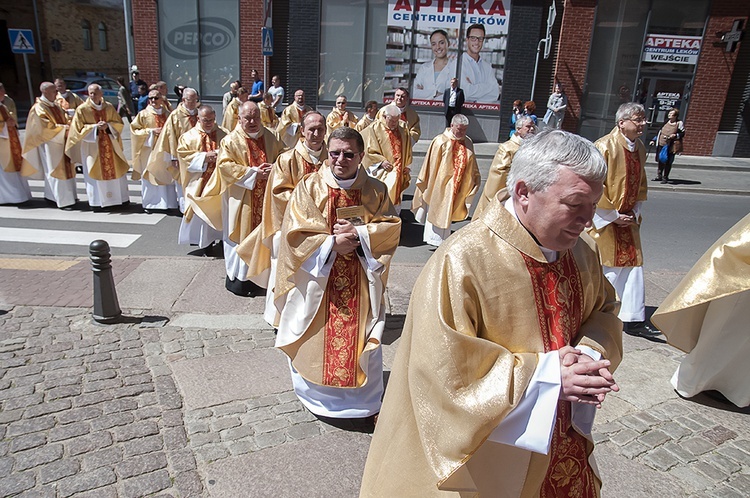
75,84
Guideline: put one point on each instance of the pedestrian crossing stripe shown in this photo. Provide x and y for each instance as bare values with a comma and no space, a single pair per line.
65,237
53,214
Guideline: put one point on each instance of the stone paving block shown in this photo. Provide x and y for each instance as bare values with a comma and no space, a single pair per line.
741,483
634,423
701,420
119,405
146,484
172,418
17,483
27,441
660,459
23,401
47,408
237,433
134,430
91,398
270,425
697,445
719,434
742,444
225,423
197,427
174,438
303,431
689,423
716,475
107,457
86,481
210,453
624,436
141,465
678,451
104,492
204,438
8,416
142,446
69,431
86,444
38,456
242,447
654,438
690,479
229,409
633,449
6,465
32,425
113,420
182,460
148,412
725,464
675,430
300,416
269,439
57,470
100,375
724,491
189,484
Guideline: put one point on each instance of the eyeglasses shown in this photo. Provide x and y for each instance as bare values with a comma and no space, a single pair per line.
336,153
154,98
638,121
476,38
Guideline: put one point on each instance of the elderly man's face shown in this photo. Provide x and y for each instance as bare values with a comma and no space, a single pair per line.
207,120
345,168
315,131
391,121
400,98
60,86
341,104
250,119
154,99
95,94
558,215
50,92
526,130
299,97
459,130
632,127
190,100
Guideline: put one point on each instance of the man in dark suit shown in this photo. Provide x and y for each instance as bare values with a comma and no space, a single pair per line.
453,98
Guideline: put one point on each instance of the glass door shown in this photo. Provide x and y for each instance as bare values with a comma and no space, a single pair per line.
658,95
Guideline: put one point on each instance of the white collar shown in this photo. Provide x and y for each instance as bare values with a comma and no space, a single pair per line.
631,144
255,135
346,184
192,112
158,111
314,155
549,254
46,100
96,106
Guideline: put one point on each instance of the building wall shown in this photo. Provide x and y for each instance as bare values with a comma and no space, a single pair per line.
146,39
712,78
251,13
573,55
63,22
303,66
15,14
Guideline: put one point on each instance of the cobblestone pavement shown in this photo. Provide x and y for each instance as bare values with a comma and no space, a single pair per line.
95,411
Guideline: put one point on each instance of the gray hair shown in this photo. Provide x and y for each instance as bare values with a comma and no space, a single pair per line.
460,119
391,110
94,86
522,120
537,163
206,109
45,85
628,110
188,89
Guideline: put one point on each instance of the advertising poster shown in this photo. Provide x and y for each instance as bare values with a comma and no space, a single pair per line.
422,50
672,49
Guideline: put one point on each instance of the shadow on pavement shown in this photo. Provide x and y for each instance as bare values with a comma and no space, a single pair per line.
714,399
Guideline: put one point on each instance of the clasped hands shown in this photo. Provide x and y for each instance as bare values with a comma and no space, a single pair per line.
624,219
264,170
345,239
584,380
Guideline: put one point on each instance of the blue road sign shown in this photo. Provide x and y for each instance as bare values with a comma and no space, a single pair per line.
266,38
21,41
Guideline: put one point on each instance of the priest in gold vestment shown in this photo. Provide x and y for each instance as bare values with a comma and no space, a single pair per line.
67,100
232,201
448,182
44,148
197,151
260,249
498,174
388,153
94,140
618,218
145,129
407,115
267,113
706,316
14,188
487,395
340,116
232,112
289,124
338,236
163,167
371,112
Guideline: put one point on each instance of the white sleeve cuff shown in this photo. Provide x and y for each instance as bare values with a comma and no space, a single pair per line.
582,416
637,209
372,170
603,217
91,136
317,264
151,139
364,242
529,425
198,164
248,181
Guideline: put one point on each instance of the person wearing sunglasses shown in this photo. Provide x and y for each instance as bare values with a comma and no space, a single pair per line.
339,234
478,79
617,223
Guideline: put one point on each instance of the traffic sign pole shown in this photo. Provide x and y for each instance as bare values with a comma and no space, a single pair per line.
28,78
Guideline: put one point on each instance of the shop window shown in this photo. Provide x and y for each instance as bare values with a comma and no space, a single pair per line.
86,32
103,37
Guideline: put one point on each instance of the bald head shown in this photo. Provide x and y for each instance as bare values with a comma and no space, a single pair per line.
48,90
95,93
207,117
250,117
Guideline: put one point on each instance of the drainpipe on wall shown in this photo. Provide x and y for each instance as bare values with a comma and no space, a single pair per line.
39,44
126,6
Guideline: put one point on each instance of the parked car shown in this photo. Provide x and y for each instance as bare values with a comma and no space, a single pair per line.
79,85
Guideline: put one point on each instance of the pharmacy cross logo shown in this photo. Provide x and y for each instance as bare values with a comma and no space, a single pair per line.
191,39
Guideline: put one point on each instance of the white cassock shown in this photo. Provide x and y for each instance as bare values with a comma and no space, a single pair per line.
196,231
14,188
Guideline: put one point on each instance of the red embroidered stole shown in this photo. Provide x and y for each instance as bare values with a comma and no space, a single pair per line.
341,348
459,165
192,119
208,143
15,141
558,293
161,119
625,250
60,118
106,151
403,119
394,137
256,155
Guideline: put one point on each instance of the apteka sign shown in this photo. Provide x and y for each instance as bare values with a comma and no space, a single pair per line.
672,49
493,14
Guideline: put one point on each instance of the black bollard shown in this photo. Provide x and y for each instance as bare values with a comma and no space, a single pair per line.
106,307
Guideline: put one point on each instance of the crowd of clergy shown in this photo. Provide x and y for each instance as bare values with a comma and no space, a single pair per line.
305,209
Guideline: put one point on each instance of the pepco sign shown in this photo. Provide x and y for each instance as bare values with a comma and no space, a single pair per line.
215,34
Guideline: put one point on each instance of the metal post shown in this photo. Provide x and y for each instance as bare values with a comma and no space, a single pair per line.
106,307
536,65
28,78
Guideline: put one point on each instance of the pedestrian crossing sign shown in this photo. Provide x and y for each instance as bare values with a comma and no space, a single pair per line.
266,36
21,41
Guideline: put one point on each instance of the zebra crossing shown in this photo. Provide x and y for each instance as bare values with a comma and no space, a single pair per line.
40,224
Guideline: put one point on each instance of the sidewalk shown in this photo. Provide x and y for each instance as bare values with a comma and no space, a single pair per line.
195,401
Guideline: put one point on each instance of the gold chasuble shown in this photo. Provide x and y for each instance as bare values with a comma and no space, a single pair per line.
394,146
291,115
160,170
363,123
483,308
192,144
268,116
46,124
69,101
448,181
620,246
140,131
410,119
497,178
231,115
110,162
237,153
336,120
341,322
13,157
288,171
